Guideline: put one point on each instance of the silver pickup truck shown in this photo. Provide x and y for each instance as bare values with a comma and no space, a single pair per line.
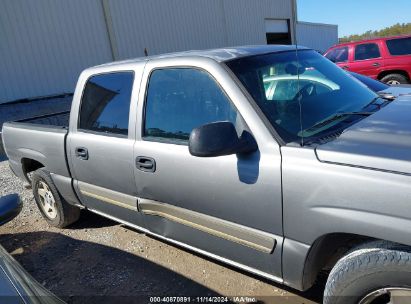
271,159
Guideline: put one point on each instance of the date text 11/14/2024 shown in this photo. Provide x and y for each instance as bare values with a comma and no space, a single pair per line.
203,299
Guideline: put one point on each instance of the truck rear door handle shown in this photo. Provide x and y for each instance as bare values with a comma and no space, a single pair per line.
146,164
81,153
376,64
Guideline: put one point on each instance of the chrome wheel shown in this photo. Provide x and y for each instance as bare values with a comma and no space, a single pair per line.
47,201
389,295
393,82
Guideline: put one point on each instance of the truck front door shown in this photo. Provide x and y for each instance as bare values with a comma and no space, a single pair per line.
229,206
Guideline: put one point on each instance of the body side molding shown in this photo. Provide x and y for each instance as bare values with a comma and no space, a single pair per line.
108,196
253,238
194,249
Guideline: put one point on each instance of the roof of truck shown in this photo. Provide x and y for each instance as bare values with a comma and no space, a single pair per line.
220,55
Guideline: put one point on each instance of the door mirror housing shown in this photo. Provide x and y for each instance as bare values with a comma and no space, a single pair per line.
218,139
10,207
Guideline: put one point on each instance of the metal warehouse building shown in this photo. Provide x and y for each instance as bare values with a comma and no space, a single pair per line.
44,44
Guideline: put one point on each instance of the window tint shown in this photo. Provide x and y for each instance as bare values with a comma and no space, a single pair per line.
179,100
105,104
400,46
338,55
367,51
285,85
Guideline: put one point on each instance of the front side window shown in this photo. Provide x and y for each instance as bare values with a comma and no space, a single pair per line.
299,91
181,99
367,51
400,46
105,104
338,54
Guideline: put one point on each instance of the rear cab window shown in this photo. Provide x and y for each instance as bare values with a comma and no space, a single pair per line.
399,46
338,54
105,104
366,51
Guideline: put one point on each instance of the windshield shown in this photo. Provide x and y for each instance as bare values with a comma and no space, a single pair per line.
299,91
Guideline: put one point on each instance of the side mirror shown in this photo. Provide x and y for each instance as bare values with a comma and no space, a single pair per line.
218,139
10,207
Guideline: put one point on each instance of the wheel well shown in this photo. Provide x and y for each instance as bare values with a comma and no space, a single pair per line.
326,251
385,73
30,165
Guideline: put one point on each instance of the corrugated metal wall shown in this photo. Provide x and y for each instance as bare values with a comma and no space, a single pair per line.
44,44
166,25
245,19
175,25
316,35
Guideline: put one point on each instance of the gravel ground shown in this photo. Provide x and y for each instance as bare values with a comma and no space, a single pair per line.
97,261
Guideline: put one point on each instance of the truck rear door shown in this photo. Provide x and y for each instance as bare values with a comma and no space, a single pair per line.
101,140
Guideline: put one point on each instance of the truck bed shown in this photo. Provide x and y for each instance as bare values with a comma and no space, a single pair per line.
46,110
43,144
50,121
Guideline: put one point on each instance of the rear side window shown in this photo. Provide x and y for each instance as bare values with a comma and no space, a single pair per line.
367,51
338,54
105,104
401,46
181,99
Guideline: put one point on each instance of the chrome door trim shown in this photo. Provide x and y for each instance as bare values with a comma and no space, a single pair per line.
240,234
200,251
230,231
108,196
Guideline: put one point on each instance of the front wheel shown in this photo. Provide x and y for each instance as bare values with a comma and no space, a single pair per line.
379,273
394,79
55,210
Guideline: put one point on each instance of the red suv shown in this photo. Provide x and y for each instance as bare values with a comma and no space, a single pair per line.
386,59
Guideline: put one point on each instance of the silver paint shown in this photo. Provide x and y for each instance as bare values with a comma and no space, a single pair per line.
296,194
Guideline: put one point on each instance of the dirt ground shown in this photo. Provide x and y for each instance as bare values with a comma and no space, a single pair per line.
100,261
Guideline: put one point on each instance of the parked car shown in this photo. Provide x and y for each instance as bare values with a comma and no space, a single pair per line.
16,285
204,150
386,59
375,85
386,91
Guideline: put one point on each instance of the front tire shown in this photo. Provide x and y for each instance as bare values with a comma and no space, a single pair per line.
54,209
377,273
395,79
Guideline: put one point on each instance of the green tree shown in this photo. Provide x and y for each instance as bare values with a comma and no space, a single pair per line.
396,29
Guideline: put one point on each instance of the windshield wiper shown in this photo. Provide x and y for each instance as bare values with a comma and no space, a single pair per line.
336,116
386,96
381,95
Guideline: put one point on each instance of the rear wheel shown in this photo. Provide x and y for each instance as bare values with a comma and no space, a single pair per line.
55,210
379,273
394,79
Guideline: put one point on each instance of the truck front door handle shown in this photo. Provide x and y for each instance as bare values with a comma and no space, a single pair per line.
81,153
146,164
376,64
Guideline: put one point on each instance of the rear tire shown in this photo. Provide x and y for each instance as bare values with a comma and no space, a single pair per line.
394,79
372,270
54,209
